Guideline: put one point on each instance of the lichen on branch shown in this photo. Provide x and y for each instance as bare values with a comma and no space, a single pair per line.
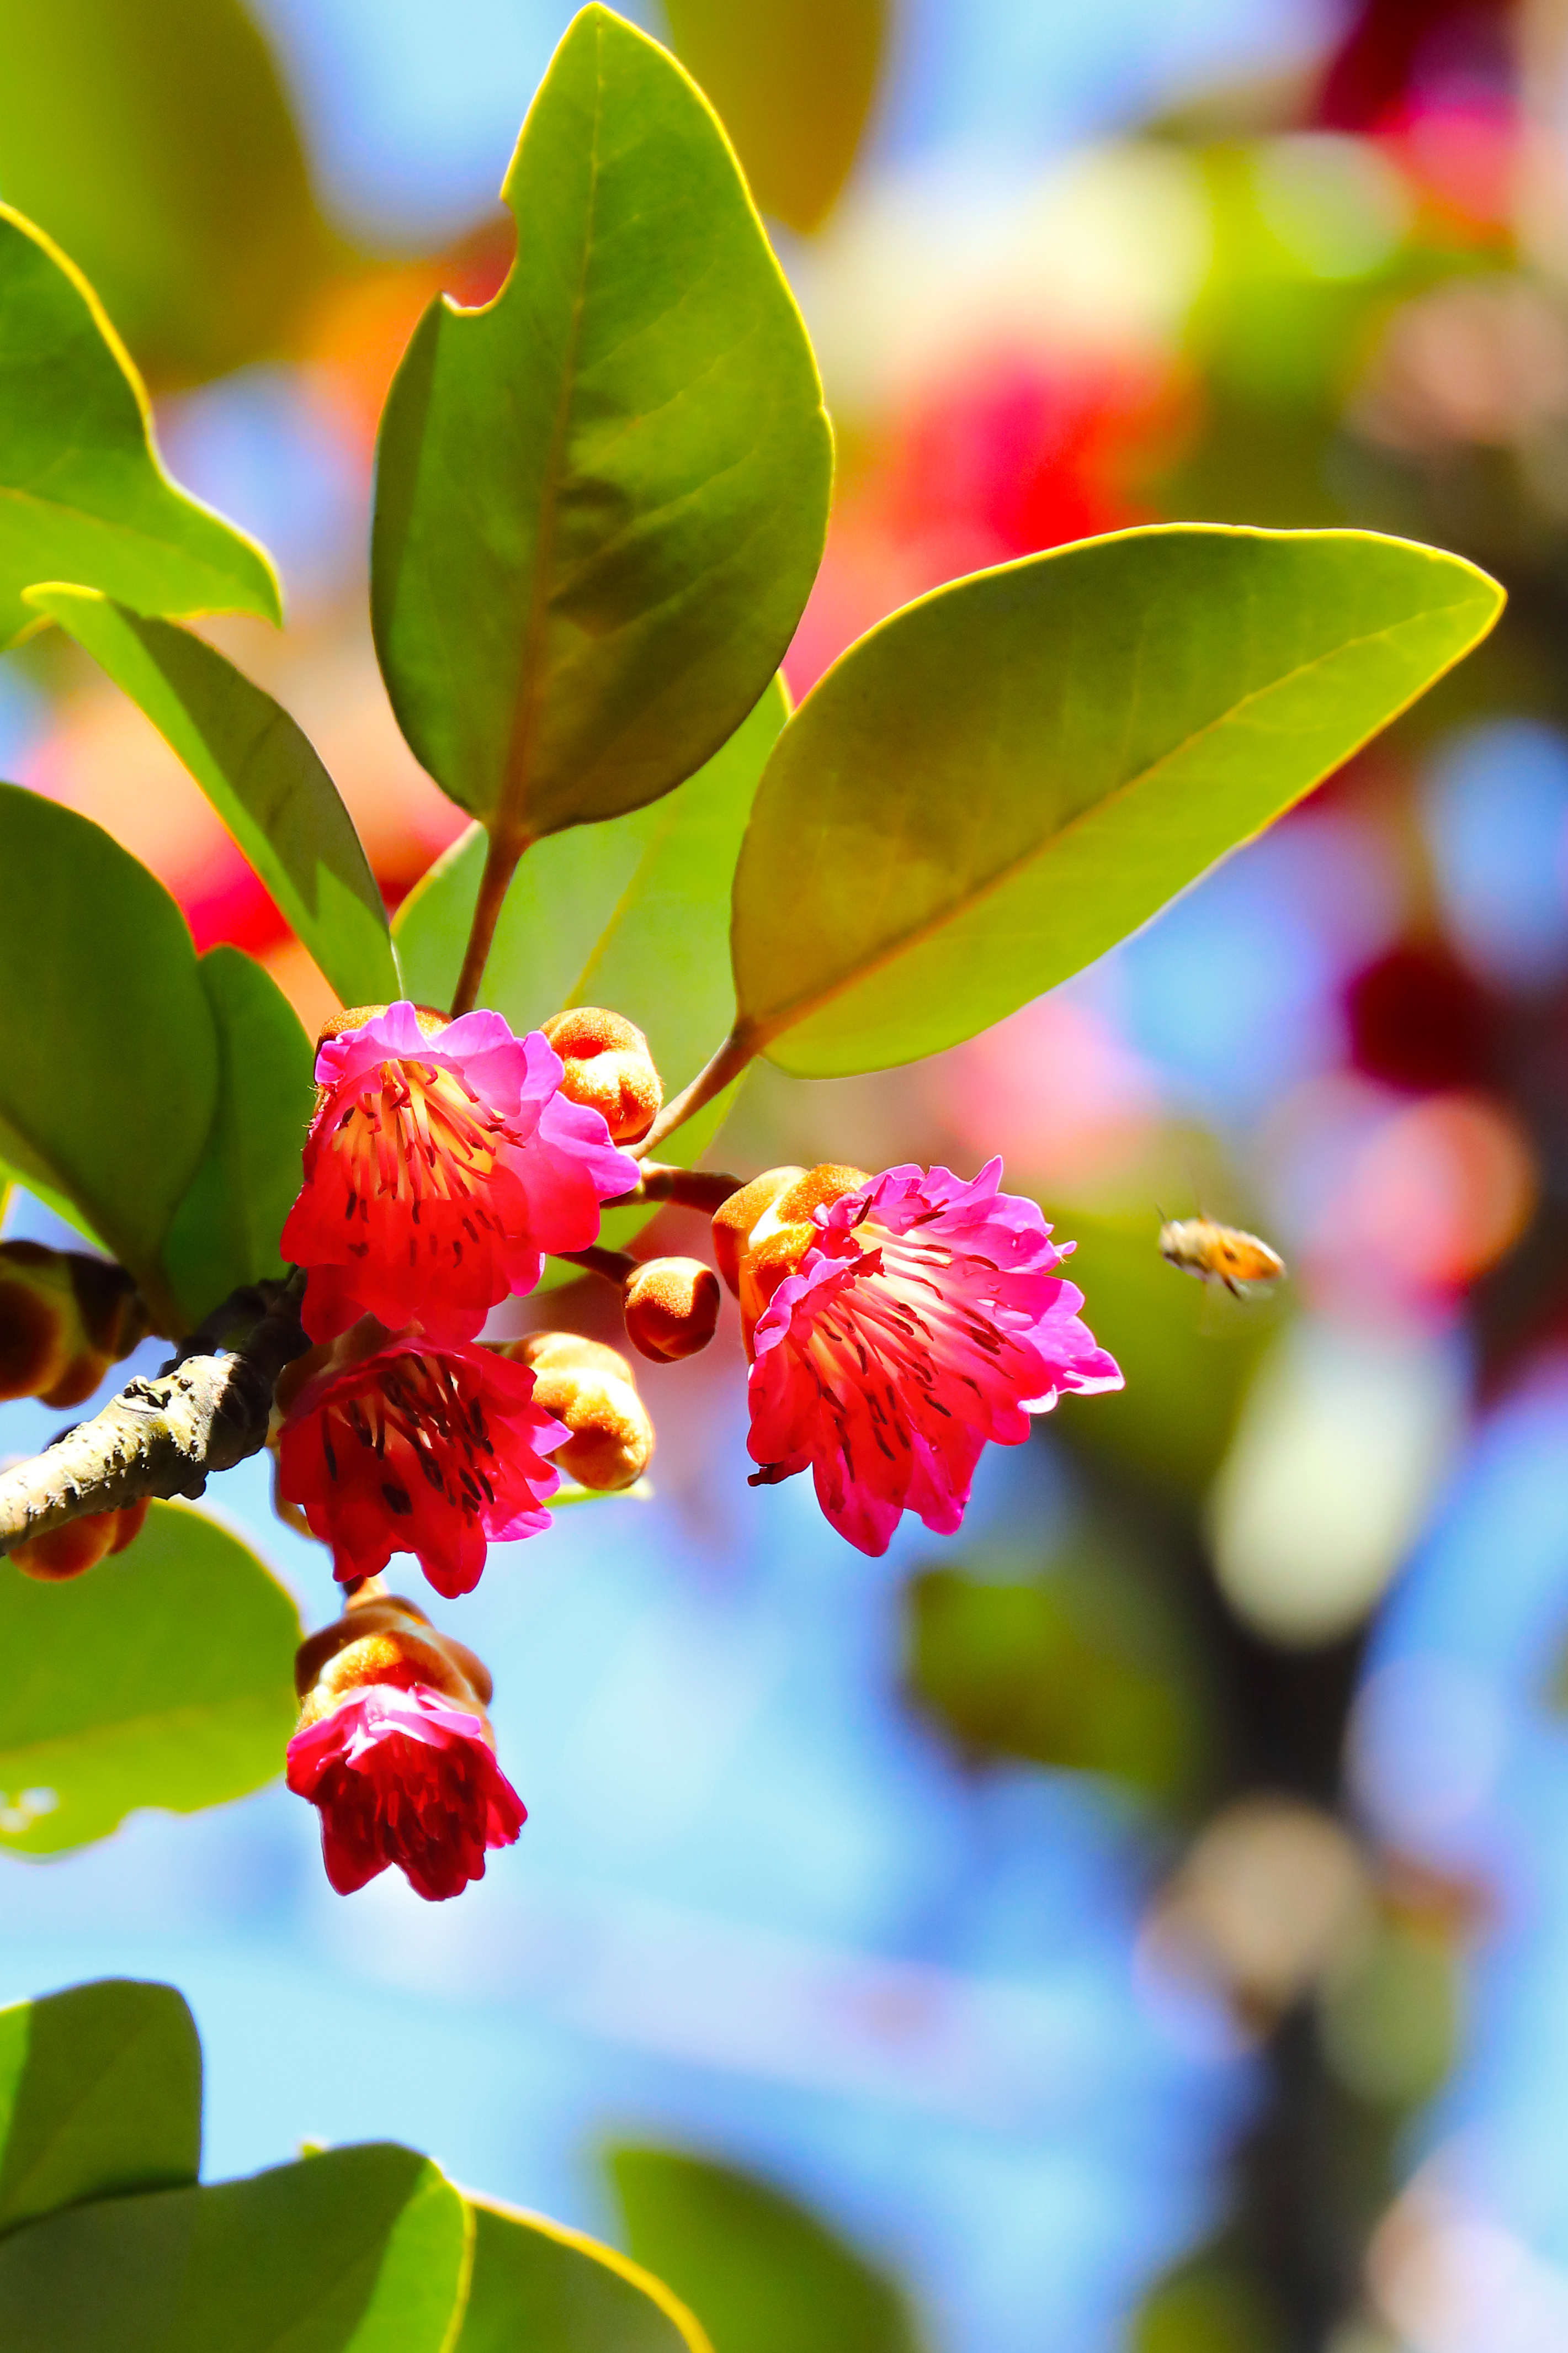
166,1436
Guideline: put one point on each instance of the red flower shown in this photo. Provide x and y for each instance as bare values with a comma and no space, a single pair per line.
404,1776
415,1448
895,1325
443,1161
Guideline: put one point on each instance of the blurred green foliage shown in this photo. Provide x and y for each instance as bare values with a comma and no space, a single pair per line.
100,2093
163,1677
1078,1659
1391,2023
157,147
1209,2305
762,2273
794,81
1188,1357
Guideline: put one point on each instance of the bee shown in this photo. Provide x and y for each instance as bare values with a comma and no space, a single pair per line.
1216,1253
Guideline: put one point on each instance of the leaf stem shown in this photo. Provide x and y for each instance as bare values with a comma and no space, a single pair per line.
727,1063
500,864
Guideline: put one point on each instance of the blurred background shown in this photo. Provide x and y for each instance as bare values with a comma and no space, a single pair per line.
1141,1922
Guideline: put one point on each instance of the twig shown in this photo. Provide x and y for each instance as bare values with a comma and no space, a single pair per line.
161,1437
727,1063
613,1265
688,1188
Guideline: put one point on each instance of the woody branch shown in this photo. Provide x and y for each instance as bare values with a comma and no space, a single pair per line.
161,1437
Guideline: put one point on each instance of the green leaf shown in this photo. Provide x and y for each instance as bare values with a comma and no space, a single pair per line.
761,2273
996,784
224,1232
101,2093
539,2286
601,499
356,2251
163,1677
82,495
792,81
107,1059
1077,1661
260,773
169,167
634,914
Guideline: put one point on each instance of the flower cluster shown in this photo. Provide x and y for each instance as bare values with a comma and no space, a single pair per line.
894,1325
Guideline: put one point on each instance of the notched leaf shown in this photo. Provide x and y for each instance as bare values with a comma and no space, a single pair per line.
601,499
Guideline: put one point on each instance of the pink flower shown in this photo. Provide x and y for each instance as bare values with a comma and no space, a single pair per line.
915,1317
442,1162
434,1450
404,1776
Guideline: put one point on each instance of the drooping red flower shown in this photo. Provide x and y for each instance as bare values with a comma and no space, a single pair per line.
434,1450
441,1164
404,1776
897,1324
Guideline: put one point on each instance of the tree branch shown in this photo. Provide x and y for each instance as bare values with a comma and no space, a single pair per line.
163,1437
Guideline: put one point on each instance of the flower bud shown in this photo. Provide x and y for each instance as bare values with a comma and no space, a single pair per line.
763,1231
395,1751
65,1317
593,1390
672,1307
609,1068
80,1545
383,1638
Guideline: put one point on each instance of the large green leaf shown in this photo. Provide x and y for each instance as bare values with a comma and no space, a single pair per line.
601,499
1009,776
163,1677
101,2093
160,153
82,495
539,2288
762,2273
260,773
355,2251
794,81
224,1232
108,1064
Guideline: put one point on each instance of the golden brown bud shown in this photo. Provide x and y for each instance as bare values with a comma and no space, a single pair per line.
672,1307
593,1390
65,1317
609,1068
763,1231
383,1639
356,1015
80,1544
